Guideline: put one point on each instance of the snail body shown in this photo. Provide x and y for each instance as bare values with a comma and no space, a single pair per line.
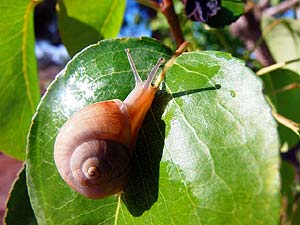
93,149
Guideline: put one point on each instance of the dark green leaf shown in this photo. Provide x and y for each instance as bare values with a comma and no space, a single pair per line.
100,72
230,11
286,102
296,215
288,187
82,23
19,90
18,209
207,152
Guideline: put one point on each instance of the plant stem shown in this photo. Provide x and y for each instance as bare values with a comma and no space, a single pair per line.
247,27
285,88
150,4
177,53
167,8
260,40
275,66
287,123
281,7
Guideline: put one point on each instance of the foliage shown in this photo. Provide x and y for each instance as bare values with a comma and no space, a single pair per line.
19,91
209,149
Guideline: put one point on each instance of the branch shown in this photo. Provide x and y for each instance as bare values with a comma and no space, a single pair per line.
263,4
281,7
295,127
285,88
275,66
150,4
247,27
184,46
167,8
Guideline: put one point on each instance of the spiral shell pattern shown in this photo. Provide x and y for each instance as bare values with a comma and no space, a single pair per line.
92,152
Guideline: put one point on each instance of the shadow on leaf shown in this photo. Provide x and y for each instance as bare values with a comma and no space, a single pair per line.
142,189
188,92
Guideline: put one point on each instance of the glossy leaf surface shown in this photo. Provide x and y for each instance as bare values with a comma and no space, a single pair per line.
207,152
84,22
19,90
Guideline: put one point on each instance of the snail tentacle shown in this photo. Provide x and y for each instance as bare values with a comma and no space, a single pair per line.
93,149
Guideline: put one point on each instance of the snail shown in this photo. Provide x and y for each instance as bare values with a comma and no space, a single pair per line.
93,149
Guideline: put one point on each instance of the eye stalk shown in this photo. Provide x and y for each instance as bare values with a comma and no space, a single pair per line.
93,149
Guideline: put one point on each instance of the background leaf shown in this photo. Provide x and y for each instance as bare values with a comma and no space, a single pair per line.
283,40
230,11
84,22
219,164
286,102
288,191
19,90
18,209
99,73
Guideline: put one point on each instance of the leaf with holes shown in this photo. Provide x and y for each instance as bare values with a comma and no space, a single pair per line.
207,152
19,90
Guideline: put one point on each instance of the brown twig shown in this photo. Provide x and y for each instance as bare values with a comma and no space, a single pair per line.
167,8
281,7
247,27
151,4
262,4
170,62
295,127
285,88
275,66
265,32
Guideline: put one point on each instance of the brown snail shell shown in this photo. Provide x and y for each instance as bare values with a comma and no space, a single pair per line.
93,149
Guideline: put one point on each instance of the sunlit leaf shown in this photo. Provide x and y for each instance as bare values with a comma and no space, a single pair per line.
283,40
19,90
82,23
207,152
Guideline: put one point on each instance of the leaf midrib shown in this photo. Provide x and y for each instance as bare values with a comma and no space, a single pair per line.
25,31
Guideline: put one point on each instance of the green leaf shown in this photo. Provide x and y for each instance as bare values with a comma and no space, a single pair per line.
222,144
230,11
296,215
286,102
18,209
82,23
19,90
98,73
288,187
207,152
283,40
